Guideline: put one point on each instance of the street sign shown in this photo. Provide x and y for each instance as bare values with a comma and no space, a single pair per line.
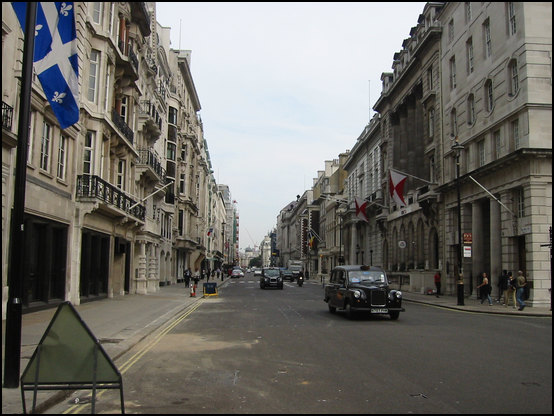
467,251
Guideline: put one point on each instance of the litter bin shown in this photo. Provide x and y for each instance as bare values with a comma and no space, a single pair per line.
210,289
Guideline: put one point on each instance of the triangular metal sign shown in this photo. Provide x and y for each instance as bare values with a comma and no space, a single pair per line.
69,353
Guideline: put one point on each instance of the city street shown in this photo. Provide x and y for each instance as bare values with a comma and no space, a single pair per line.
280,351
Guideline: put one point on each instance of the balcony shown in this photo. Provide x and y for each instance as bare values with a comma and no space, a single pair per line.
153,121
115,200
148,162
7,116
122,126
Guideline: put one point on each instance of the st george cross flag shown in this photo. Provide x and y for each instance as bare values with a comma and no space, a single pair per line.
396,186
55,57
360,209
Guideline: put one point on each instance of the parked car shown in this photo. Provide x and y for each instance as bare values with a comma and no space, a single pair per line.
257,271
237,273
362,289
271,277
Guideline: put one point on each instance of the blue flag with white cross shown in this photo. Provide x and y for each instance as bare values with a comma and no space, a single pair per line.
55,58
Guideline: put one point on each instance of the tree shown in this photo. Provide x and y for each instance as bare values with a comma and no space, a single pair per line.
255,262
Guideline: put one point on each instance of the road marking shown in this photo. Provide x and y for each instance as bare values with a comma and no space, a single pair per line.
75,409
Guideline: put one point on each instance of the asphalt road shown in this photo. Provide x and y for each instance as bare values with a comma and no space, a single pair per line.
281,351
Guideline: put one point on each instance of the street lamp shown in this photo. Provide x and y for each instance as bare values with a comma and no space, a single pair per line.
457,147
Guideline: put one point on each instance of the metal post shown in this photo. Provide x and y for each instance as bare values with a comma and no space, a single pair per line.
457,147
12,355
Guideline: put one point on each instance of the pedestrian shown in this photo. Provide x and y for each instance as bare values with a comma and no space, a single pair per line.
502,284
208,275
510,292
438,283
485,292
187,277
521,282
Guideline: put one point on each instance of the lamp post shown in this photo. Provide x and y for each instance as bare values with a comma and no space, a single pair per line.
457,147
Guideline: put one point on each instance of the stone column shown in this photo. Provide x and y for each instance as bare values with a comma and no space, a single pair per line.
141,288
495,246
353,243
478,245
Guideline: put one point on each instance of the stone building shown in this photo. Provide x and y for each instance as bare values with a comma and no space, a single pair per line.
121,202
497,103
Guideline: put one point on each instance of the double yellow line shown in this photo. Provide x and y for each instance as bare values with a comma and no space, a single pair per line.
75,409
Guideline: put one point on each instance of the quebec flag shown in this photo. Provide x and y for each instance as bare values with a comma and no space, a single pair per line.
55,56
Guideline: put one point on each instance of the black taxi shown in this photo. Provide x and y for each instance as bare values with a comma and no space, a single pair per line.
360,288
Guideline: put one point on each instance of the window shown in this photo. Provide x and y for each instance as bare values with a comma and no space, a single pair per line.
121,171
30,140
124,108
469,51
451,30
520,204
110,17
453,123
62,157
430,78
512,19
88,157
515,133
172,116
431,122
97,12
107,89
45,145
487,35
182,181
93,75
171,149
183,152
471,109
514,77
452,73
481,152
497,140
468,11
489,95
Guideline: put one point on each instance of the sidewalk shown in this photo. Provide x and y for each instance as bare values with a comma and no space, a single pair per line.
140,315
474,305
118,323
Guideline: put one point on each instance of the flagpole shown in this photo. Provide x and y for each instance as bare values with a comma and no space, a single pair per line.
12,353
412,176
495,198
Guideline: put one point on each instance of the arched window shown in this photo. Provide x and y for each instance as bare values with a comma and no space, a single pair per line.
471,109
489,95
513,75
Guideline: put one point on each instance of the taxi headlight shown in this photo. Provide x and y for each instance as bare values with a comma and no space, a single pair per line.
357,294
395,295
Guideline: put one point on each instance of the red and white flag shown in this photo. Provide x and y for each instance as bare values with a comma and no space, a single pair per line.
360,209
396,186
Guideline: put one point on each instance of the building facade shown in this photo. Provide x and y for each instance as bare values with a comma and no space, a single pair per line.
125,200
471,89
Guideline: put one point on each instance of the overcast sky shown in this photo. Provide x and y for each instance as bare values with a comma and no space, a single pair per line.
283,87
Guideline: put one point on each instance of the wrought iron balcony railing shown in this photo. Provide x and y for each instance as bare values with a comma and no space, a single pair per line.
7,116
92,186
148,157
122,126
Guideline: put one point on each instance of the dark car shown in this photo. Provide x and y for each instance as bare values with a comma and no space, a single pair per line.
287,274
271,277
362,289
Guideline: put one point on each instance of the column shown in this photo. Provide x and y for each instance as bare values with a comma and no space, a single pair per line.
477,260
140,283
352,243
495,246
